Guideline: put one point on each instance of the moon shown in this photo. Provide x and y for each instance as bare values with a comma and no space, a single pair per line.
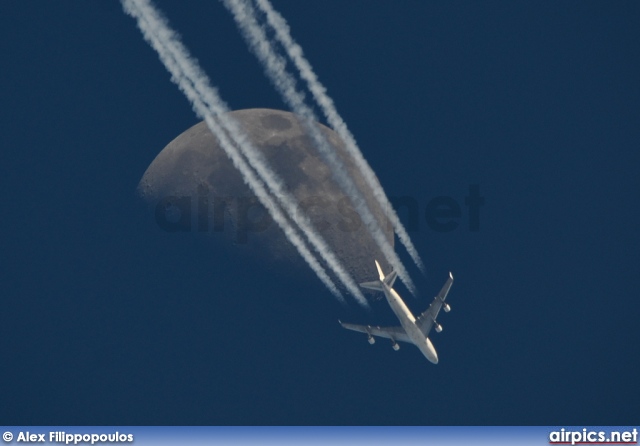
193,186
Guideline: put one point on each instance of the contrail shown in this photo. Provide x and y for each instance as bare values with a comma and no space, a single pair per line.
207,104
275,68
319,92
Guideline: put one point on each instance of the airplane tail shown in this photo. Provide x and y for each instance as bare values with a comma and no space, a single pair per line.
376,285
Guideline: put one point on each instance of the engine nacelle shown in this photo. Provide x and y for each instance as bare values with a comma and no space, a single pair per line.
371,340
438,327
446,307
396,346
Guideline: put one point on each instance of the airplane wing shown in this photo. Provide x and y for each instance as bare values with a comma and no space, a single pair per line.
427,319
395,333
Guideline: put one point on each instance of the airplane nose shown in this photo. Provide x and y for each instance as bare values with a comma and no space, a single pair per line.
432,354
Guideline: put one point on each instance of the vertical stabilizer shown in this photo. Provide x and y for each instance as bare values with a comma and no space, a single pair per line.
380,273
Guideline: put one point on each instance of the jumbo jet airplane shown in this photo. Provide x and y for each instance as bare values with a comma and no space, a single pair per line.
415,331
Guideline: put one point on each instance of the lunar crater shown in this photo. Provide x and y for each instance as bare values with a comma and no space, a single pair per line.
275,122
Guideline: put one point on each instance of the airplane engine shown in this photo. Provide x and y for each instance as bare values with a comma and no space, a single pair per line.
446,308
438,327
371,340
395,346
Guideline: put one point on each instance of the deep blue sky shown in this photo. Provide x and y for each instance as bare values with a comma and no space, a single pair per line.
106,319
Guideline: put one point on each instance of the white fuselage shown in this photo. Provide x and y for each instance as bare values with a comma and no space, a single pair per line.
408,322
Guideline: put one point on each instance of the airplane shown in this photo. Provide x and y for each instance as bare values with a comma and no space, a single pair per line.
412,330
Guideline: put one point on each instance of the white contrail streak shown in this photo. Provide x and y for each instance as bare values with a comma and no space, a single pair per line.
319,92
207,104
275,68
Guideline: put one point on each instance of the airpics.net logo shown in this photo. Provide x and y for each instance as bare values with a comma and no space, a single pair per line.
586,436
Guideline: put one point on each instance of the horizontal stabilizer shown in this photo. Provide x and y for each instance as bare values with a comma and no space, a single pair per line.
390,278
375,286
